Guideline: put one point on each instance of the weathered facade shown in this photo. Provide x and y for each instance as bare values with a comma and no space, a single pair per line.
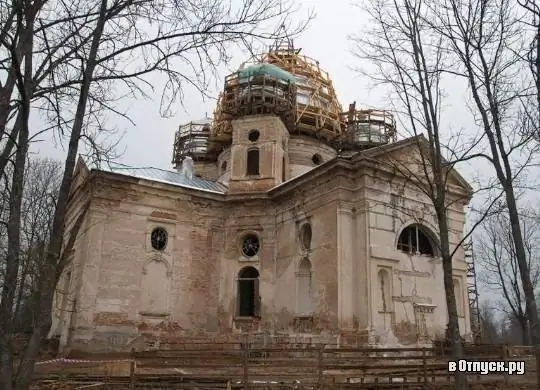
281,235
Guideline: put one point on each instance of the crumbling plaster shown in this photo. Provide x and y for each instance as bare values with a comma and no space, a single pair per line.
355,226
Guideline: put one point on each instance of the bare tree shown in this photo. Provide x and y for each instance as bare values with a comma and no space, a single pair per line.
500,271
490,326
531,28
41,184
84,51
404,55
486,41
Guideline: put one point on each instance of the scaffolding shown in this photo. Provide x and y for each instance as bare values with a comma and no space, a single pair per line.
193,139
367,128
472,291
316,108
260,93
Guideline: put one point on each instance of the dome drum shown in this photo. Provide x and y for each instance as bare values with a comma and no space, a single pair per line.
367,128
262,93
315,108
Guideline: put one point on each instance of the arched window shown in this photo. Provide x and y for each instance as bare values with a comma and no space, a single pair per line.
283,171
459,297
303,278
252,162
415,239
223,167
383,279
248,293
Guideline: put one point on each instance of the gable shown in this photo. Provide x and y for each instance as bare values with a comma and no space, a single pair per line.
410,158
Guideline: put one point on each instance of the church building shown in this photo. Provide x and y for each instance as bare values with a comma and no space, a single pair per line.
285,217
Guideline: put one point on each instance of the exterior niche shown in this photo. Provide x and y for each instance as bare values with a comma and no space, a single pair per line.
155,282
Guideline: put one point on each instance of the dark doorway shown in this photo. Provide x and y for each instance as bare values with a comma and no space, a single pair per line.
248,292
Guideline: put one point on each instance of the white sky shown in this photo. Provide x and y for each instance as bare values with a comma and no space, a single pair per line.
149,142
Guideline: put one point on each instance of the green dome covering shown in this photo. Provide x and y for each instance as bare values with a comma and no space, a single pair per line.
265,69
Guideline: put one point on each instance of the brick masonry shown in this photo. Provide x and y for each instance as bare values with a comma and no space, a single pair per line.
354,235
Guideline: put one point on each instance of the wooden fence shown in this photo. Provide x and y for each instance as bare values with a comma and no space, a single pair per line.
241,366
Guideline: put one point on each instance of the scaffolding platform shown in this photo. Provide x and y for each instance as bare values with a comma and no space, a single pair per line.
258,94
367,128
193,139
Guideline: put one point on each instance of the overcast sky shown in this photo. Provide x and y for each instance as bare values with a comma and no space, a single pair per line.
149,142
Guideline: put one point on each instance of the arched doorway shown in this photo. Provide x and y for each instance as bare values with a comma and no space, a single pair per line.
248,293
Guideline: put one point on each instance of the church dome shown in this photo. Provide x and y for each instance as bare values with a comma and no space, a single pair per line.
253,71
285,82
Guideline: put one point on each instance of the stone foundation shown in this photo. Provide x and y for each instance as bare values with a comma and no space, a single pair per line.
109,341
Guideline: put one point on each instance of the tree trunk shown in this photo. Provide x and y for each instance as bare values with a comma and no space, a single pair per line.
53,262
24,86
521,255
453,324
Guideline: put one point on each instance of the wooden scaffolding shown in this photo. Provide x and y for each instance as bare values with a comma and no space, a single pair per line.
316,110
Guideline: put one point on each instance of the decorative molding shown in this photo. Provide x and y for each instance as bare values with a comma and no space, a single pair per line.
424,308
160,314
243,259
159,259
303,323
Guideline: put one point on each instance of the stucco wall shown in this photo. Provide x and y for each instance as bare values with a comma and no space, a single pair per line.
356,215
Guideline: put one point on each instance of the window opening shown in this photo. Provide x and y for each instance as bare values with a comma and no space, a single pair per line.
250,245
158,239
305,236
254,135
413,240
248,292
253,162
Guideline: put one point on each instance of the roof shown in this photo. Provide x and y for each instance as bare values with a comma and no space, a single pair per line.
167,177
266,69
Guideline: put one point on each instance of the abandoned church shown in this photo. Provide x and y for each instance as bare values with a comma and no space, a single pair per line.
282,219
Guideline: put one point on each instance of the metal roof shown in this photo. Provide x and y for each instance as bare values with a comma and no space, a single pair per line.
168,177
266,69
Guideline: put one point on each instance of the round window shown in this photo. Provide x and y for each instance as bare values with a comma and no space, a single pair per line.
250,245
158,239
317,159
305,236
254,135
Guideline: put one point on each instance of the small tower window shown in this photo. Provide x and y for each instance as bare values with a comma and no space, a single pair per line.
316,159
223,167
254,135
252,162
158,239
305,236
